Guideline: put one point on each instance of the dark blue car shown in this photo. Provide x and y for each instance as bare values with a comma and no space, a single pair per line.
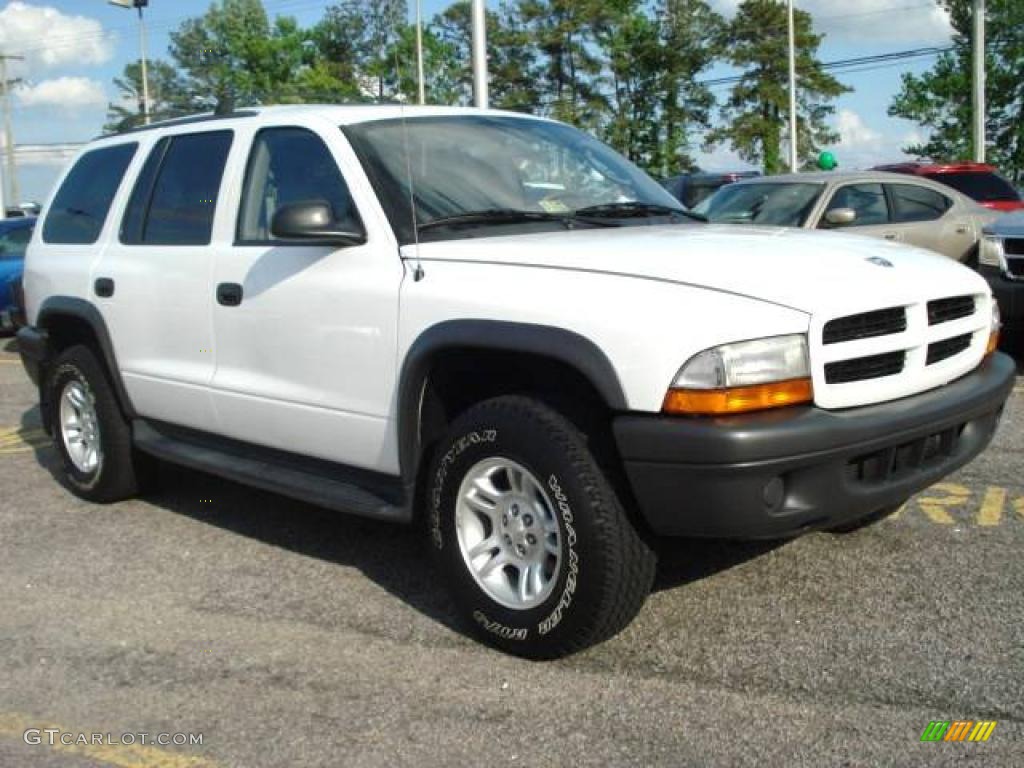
14,237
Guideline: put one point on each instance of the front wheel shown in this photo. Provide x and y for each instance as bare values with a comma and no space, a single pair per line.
541,556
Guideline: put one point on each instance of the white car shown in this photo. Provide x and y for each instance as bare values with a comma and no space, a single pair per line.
497,325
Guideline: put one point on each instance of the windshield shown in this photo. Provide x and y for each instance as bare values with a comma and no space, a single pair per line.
479,171
779,205
983,187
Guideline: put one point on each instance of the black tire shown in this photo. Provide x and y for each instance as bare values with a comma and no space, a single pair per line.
606,570
121,472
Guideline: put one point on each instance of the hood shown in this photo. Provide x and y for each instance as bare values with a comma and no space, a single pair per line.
1010,225
804,270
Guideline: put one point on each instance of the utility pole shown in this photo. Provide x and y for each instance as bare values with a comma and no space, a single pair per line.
480,95
14,195
978,80
793,137
139,5
421,88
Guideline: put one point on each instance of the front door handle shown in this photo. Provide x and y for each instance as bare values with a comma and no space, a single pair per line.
103,287
891,236
229,294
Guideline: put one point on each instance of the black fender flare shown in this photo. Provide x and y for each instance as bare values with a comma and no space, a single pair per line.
87,313
556,343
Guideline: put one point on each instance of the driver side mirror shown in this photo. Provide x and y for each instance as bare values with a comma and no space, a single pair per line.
840,217
312,220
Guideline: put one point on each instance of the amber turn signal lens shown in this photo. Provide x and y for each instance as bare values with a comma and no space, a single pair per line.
738,399
993,342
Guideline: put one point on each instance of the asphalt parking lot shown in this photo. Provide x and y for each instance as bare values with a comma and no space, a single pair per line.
285,635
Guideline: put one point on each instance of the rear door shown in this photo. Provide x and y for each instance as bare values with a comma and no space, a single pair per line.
157,272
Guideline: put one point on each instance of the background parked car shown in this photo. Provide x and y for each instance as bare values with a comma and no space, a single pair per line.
692,188
898,208
1002,264
978,181
14,237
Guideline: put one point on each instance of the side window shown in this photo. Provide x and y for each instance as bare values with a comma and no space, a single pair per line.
914,203
290,165
176,194
14,243
81,206
867,200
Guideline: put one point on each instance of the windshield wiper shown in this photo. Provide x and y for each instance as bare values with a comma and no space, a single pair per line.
630,209
506,216
690,214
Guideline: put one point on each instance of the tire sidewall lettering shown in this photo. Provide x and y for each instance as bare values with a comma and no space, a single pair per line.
443,469
572,559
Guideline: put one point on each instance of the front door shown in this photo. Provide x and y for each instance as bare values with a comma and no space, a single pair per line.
306,340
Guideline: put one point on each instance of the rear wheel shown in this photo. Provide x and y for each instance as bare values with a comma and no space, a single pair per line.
542,558
90,433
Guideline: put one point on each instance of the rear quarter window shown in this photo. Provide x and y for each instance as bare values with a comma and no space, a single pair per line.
80,208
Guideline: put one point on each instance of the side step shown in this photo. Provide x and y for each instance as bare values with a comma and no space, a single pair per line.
314,481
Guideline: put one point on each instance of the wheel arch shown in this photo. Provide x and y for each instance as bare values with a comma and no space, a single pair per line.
67,321
475,339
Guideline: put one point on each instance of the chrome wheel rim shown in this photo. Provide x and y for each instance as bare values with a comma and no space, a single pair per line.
508,533
79,427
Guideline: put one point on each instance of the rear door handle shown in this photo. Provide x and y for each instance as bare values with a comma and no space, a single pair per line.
103,287
229,294
891,236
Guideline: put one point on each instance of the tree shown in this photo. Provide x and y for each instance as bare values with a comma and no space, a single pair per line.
563,33
940,99
359,40
168,96
511,56
758,106
233,55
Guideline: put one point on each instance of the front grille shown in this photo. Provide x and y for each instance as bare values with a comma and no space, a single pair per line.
947,310
881,322
1013,246
897,461
864,368
1016,267
947,348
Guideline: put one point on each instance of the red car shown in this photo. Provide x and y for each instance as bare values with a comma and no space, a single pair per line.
976,180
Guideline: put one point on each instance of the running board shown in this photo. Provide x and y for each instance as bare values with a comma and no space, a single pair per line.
310,480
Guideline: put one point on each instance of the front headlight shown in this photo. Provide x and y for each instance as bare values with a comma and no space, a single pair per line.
991,252
744,376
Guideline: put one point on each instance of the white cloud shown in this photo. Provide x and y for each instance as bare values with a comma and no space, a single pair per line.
64,92
854,132
862,146
877,21
48,38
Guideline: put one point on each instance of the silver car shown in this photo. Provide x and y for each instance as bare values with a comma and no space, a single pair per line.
886,205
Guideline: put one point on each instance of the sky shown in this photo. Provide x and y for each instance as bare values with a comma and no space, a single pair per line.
74,48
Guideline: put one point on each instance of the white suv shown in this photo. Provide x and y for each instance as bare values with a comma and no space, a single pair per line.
496,325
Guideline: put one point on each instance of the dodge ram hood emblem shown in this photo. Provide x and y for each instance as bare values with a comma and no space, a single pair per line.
878,261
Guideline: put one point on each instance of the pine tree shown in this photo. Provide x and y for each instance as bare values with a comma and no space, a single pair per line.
756,41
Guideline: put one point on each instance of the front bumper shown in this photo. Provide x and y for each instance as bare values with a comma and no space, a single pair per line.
1010,297
34,348
782,473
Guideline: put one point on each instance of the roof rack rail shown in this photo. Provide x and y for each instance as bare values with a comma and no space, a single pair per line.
176,121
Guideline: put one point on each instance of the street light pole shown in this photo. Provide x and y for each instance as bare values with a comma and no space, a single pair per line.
480,94
11,169
139,5
793,138
978,80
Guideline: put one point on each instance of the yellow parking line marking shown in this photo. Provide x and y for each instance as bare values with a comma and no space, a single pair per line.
992,506
935,507
121,755
20,440
1019,506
